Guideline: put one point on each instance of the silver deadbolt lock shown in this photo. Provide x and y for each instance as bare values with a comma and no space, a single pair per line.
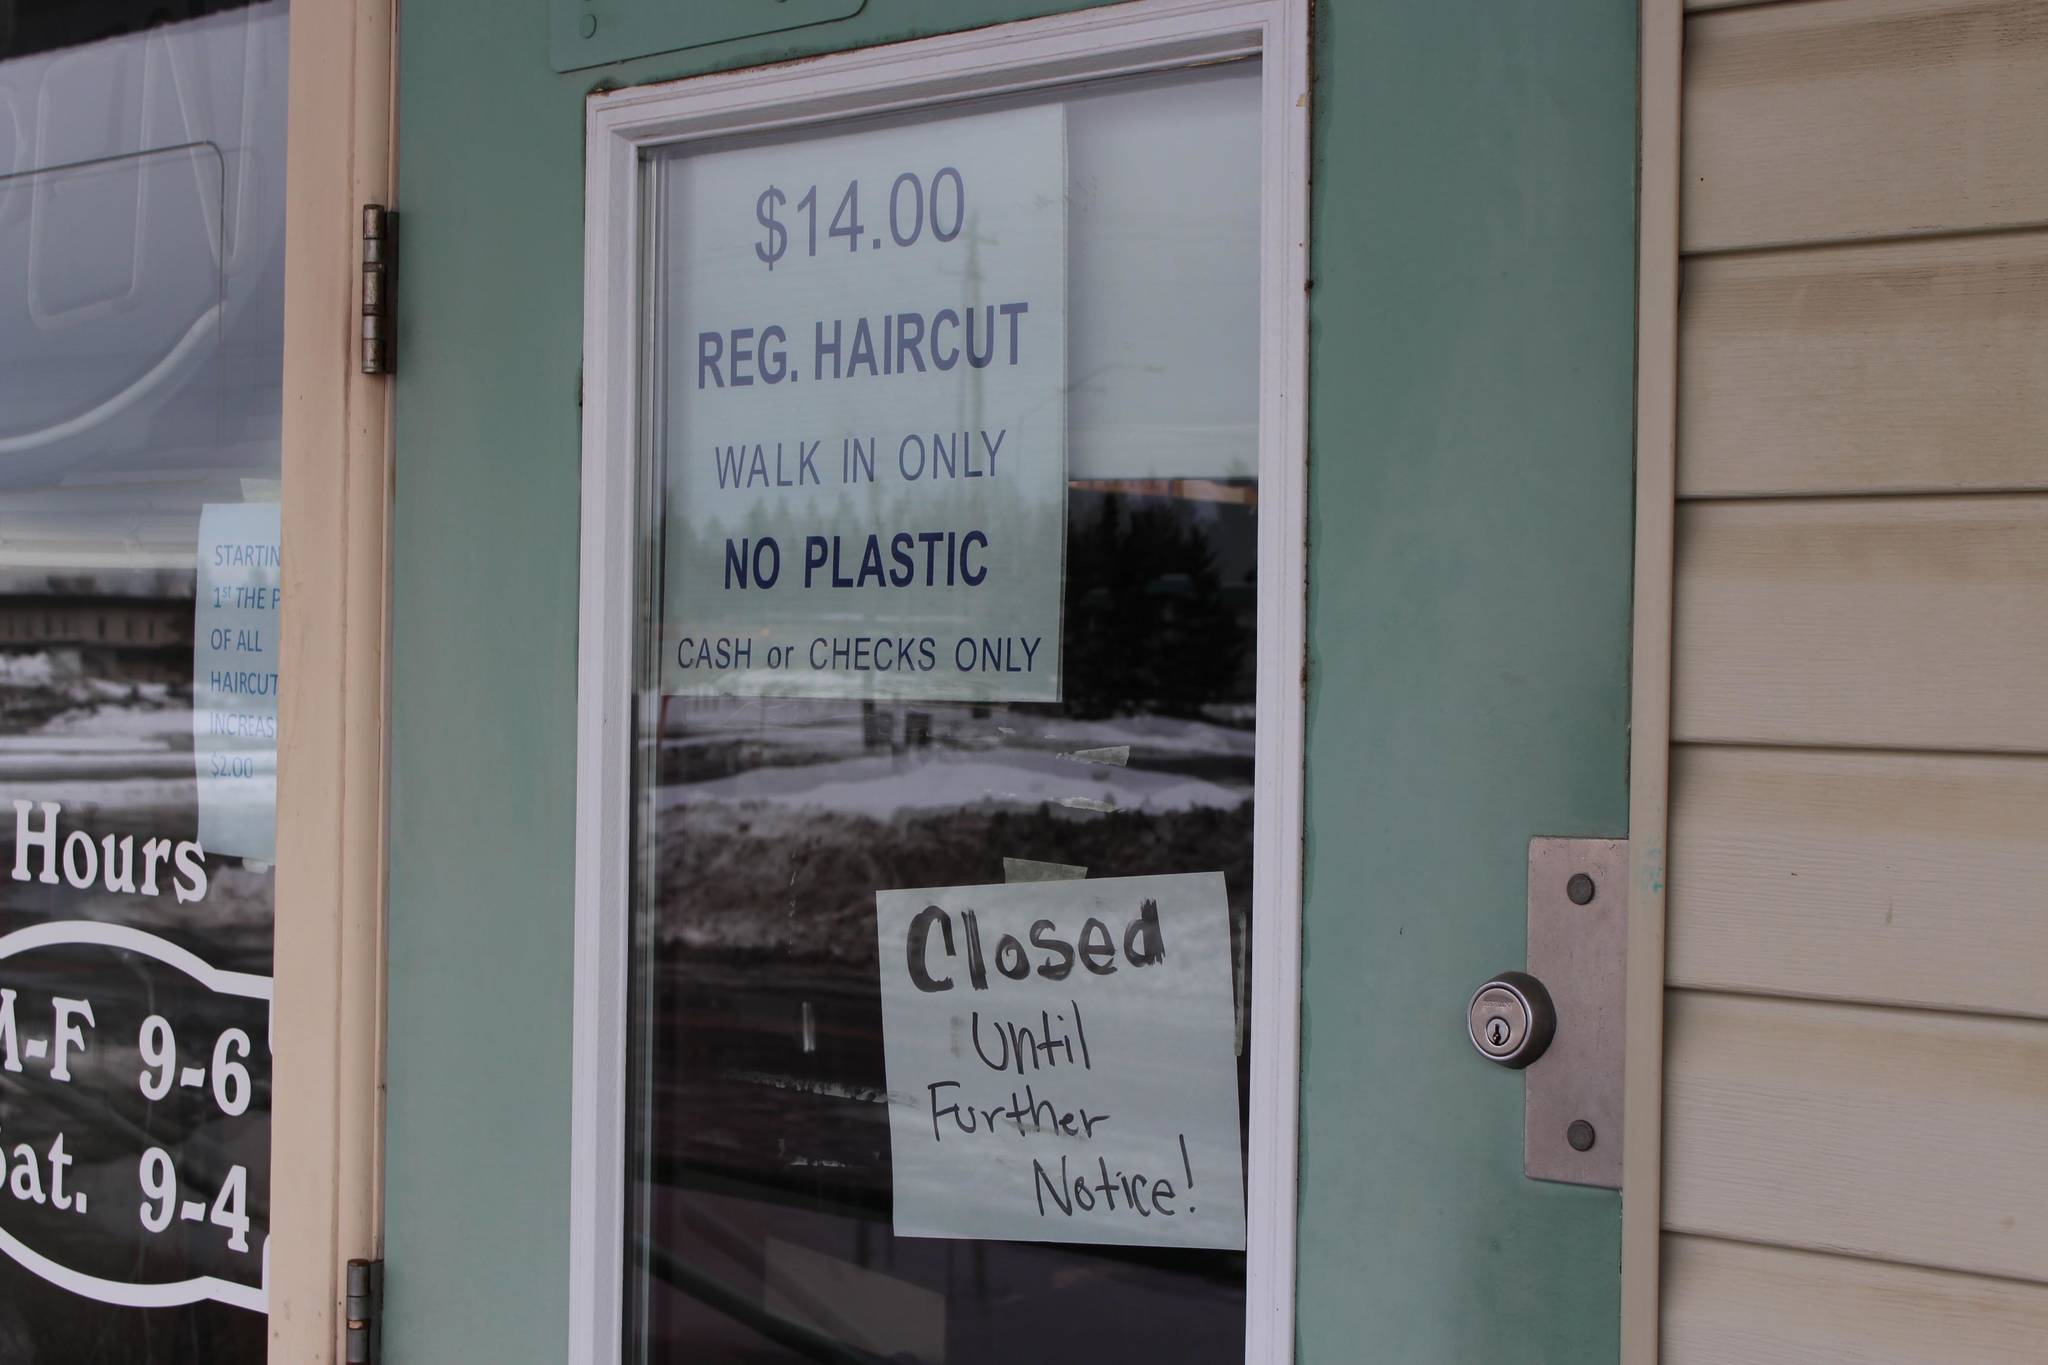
1511,1020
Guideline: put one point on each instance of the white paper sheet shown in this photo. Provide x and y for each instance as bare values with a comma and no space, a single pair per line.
1061,1061
865,430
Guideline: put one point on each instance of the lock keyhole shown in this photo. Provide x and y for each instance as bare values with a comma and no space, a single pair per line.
1510,1019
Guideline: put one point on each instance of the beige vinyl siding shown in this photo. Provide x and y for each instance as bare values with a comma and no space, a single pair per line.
1753,1305
1917,623
1912,1136
1893,367
1856,1040
1900,879
1830,120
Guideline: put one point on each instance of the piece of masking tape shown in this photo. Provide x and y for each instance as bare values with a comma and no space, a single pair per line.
1030,870
1115,755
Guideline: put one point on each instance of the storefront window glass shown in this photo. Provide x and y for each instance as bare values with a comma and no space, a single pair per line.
141,288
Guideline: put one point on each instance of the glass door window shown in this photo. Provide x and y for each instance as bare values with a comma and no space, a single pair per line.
944,734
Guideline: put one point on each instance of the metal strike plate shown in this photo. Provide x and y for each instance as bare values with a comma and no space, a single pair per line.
1578,948
585,33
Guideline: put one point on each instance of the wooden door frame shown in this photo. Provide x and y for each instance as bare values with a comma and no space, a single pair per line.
327,1115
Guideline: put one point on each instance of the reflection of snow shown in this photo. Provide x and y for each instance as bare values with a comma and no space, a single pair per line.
25,670
122,770
811,723
139,796
113,757
162,718
1160,734
51,742
58,679
883,784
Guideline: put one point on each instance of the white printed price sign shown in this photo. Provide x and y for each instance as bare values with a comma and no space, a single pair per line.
864,431
1062,1062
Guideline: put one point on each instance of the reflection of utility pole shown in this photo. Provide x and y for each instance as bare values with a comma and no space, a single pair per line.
975,378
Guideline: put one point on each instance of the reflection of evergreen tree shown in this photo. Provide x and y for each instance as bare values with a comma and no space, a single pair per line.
1147,626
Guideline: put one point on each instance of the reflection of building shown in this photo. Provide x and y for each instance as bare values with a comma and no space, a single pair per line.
118,623
129,639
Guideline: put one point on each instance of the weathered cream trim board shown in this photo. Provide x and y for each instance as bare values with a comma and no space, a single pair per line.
327,1116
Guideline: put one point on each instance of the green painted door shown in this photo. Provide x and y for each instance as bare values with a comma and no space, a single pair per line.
1472,327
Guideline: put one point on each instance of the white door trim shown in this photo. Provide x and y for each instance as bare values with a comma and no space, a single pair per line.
1147,35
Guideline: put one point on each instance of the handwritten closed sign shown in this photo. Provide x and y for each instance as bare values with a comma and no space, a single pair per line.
1062,1063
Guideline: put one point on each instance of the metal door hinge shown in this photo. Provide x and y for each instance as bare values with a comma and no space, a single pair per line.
365,1308
380,260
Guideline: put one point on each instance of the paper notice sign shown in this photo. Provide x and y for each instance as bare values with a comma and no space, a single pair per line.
234,678
1062,1062
864,430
